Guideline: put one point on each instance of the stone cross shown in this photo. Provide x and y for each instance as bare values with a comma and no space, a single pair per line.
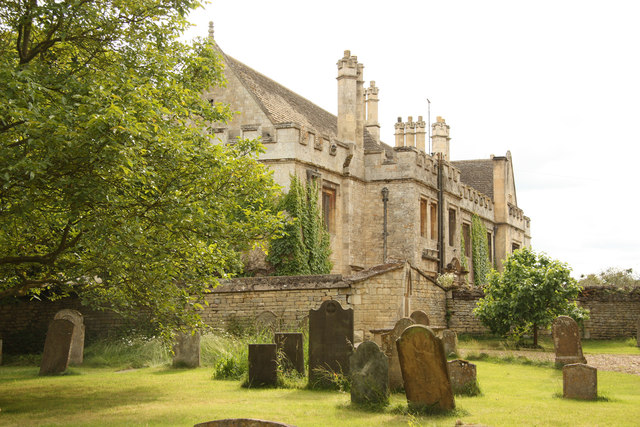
263,365
566,341
420,317
369,375
391,350
77,340
579,381
424,369
186,349
330,341
57,347
462,375
290,346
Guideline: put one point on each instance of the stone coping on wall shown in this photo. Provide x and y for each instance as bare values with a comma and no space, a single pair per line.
588,293
374,271
277,283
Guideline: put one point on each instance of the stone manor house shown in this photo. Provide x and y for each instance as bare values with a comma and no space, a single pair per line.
381,203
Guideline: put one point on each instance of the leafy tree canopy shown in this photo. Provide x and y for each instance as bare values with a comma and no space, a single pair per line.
111,185
532,290
305,247
623,278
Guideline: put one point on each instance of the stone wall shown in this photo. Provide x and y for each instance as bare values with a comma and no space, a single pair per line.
460,305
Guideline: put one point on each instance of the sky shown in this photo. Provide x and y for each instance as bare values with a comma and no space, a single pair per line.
557,83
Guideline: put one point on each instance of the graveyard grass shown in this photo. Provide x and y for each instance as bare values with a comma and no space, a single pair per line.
513,394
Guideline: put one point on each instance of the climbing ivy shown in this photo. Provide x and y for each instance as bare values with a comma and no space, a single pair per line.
479,251
463,258
304,248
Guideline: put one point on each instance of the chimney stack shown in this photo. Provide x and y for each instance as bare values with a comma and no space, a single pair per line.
420,133
440,137
399,133
410,133
350,105
372,111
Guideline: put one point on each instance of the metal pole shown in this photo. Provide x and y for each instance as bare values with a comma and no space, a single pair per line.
429,121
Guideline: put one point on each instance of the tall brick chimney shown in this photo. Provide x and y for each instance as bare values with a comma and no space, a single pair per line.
349,113
440,137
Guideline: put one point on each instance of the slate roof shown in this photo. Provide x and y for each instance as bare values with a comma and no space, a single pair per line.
282,105
477,174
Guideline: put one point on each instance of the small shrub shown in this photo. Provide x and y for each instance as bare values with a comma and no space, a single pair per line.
329,379
228,368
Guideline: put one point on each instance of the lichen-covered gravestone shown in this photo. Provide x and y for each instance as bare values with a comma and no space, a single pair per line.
77,340
266,321
579,381
263,365
450,342
424,369
369,375
566,341
391,350
290,346
186,349
330,341
463,376
57,347
420,317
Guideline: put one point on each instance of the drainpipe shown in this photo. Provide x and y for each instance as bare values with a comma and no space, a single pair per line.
385,199
441,248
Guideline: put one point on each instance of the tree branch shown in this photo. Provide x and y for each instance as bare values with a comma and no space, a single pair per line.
48,258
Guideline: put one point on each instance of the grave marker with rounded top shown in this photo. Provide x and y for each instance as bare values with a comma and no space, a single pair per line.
290,346
330,341
424,369
450,342
57,347
77,340
420,317
391,350
263,365
186,350
579,381
369,375
566,341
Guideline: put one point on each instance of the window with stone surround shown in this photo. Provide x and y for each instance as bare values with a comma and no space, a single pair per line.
433,215
490,246
423,217
514,247
466,235
452,227
329,208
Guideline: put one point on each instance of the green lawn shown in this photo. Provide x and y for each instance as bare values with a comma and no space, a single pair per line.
513,394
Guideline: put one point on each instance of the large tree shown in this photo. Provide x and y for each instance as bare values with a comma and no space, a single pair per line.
111,185
532,290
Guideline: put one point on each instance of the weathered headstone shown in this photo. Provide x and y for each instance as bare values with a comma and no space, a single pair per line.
290,346
391,350
57,347
267,320
463,376
330,341
263,365
369,375
566,340
242,422
420,317
77,341
424,369
186,350
579,381
450,342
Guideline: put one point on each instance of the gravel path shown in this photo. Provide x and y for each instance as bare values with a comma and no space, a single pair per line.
626,363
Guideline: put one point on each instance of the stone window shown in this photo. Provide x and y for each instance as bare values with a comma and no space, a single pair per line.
329,208
490,246
452,227
434,221
514,247
466,235
423,217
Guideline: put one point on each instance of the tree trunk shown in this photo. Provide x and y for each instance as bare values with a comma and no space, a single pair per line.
535,335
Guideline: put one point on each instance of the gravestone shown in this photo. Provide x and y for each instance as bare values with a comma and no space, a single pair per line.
369,374
267,320
420,317
263,365
450,342
57,347
424,369
242,422
186,349
77,341
579,381
330,341
463,376
391,350
566,341
290,346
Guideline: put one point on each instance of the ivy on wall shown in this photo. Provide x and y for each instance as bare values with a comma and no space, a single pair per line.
305,247
479,251
463,258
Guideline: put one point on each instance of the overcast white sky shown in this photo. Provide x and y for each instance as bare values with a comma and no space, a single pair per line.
555,82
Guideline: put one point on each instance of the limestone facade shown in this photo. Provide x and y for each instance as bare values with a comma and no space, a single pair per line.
429,198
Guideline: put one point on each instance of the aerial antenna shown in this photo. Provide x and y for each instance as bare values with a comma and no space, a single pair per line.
429,121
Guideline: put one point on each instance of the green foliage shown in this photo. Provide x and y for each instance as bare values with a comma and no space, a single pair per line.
464,262
623,278
532,290
479,251
111,186
305,247
327,378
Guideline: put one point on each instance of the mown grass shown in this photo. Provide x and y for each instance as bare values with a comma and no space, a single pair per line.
513,394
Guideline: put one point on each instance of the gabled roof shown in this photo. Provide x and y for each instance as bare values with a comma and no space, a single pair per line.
282,105
477,174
